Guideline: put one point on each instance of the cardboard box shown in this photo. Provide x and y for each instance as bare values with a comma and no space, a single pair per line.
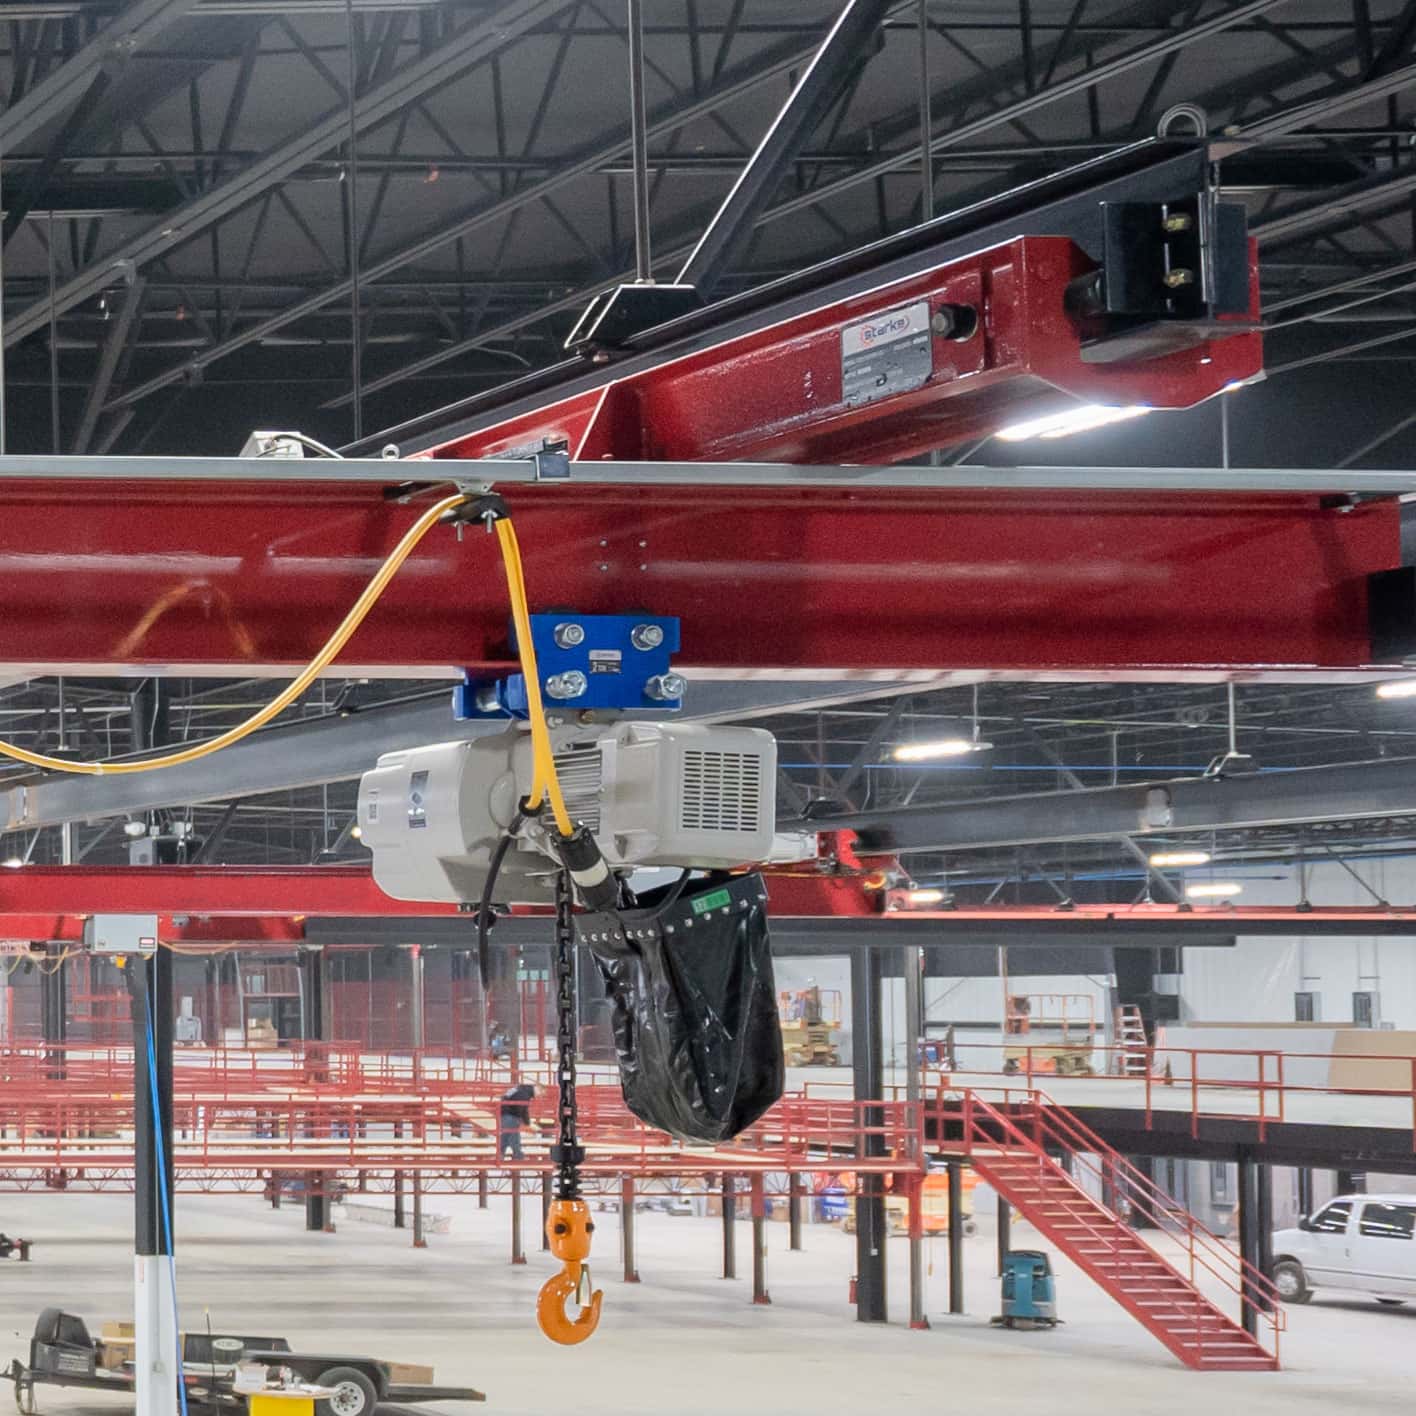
115,1345
409,1374
112,1352
260,1033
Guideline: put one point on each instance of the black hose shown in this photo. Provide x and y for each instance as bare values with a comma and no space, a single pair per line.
485,914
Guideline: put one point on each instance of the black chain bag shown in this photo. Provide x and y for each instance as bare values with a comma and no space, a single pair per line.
689,976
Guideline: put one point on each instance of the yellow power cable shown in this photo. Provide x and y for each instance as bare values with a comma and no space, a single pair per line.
545,784
544,781
287,695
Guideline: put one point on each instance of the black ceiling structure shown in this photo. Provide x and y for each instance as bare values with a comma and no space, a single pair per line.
337,215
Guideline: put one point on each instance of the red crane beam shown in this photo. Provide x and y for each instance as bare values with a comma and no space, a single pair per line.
255,905
941,357
220,576
822,582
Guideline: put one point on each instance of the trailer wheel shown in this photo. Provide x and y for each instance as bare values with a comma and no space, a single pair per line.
24,1394
354,1393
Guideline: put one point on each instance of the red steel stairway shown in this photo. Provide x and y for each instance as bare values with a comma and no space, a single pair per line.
1013,1142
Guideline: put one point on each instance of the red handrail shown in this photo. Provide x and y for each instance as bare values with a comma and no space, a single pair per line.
1055,1124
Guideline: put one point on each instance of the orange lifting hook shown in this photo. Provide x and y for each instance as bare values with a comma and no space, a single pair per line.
568,1228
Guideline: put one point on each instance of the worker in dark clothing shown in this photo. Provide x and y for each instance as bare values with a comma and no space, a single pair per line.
514,1114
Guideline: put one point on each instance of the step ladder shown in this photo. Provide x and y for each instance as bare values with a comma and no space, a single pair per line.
1132,1046
1012,1145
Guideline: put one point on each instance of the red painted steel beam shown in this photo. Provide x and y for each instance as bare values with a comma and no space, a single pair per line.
204,898
800,390
826,582
224,904
251,905
251,578
247,931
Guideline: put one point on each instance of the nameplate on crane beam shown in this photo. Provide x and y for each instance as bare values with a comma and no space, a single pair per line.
887,354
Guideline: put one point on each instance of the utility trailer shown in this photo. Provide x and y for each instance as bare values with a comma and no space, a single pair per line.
62,1353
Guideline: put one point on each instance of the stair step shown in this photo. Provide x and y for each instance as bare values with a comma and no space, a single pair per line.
1233,1337
1152,1289
1241,1364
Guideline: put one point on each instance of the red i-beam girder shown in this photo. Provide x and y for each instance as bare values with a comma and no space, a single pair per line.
215,576
254,905
251,906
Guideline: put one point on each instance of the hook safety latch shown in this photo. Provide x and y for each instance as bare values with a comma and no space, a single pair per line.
568,1228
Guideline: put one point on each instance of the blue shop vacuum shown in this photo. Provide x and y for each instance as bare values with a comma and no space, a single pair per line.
1029,1290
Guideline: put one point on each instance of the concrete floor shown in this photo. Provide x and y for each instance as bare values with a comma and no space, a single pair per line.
684,1340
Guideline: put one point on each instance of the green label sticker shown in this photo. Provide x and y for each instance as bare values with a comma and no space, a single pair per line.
718,899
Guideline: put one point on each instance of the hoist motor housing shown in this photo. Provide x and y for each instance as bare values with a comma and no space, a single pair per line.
652,794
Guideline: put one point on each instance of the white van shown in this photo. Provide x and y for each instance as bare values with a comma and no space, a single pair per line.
1357,1243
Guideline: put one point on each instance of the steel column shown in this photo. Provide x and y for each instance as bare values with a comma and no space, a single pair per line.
518,1252
547,1185
415,1011
631,1270
956,1236
1005,1232
912,1183
154,1300
794,1212
314,979
54,1008
758,1193
1255,1235
399,1215
419,1242
481,1189
867,1062
912,970
1141,1216
729,1227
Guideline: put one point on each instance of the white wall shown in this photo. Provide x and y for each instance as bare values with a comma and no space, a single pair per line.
975,1000
946,1000
1256,980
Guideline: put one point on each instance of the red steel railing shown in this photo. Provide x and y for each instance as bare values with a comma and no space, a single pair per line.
341,1106
1028,1120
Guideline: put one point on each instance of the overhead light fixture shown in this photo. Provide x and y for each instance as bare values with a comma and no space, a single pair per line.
357,832
1178,858
1079,419
940,747
921,898
1397,688
14,863
1213,890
